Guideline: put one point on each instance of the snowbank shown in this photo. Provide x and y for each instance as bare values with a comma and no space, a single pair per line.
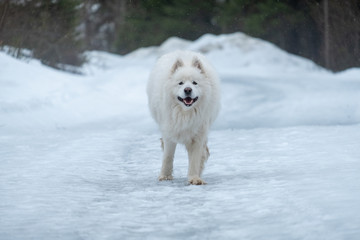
263,86
235,53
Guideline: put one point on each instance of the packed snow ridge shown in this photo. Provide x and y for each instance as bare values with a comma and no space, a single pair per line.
235,51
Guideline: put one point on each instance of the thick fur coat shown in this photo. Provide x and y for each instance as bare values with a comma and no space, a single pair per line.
184,99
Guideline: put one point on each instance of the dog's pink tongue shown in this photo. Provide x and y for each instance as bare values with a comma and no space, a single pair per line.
188,100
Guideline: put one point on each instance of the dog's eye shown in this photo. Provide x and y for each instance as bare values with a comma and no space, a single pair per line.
181,83
195,83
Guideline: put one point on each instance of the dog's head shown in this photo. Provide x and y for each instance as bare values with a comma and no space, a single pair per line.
188,82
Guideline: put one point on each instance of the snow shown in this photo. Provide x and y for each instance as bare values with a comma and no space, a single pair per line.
80,154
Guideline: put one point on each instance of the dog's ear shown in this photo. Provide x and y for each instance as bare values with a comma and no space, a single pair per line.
196,63
176,65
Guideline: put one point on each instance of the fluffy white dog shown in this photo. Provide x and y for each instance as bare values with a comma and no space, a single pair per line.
184,99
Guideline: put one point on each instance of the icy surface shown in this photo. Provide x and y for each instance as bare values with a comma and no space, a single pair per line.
79,155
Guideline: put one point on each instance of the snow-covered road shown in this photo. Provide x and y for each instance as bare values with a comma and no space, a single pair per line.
278,183
80,155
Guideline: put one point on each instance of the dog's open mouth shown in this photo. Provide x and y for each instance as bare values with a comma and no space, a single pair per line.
188,101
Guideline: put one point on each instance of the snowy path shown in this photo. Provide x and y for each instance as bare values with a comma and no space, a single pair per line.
282,183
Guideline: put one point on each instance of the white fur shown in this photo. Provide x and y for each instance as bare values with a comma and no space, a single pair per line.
180,123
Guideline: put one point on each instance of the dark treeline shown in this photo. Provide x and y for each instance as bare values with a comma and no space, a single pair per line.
58,31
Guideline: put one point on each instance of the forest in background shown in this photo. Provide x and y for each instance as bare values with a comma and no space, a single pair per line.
58,31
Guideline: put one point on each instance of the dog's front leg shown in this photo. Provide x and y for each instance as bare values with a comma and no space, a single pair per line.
197,152
168,159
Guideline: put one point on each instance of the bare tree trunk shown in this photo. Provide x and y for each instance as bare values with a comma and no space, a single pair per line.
326,34
118,12
357,43
3,15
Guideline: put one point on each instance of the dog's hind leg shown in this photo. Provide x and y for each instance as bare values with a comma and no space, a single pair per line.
205,156
162,144
168,159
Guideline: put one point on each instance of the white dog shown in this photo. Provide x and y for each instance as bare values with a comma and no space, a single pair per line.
184,99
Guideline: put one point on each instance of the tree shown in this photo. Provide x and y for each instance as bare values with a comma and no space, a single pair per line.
150,22
48,28
58,31
326,34
339,23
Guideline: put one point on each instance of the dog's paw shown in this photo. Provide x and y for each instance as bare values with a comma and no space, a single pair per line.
165,178
196,181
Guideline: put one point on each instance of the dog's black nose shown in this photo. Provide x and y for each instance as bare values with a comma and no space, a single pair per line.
187,91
